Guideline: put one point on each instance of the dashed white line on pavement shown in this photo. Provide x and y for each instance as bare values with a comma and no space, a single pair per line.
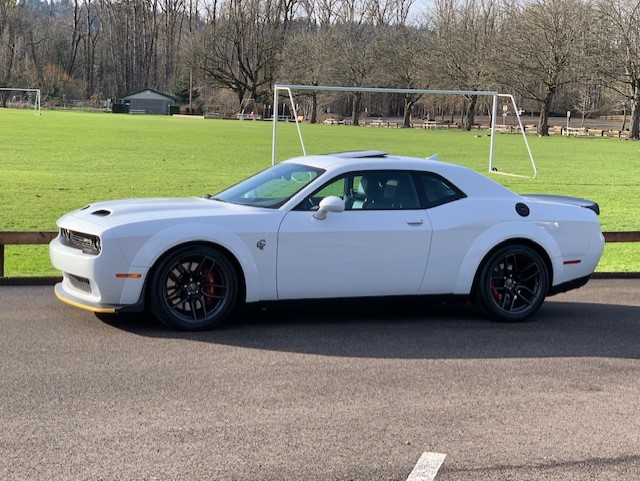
427,467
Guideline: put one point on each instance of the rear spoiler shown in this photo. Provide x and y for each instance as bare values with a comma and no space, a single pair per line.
561,199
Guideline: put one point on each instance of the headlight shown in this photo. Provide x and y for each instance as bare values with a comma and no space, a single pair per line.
88,243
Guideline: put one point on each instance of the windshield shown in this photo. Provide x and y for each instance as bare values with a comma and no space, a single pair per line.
271,187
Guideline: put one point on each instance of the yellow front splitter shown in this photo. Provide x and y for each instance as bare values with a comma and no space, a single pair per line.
80,305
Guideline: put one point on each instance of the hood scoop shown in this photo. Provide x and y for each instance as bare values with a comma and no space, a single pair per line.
101,212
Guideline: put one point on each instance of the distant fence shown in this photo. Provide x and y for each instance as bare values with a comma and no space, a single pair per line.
35,238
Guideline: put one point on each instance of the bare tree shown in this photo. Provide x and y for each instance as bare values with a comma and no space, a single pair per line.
89,41
620,35
544,45
76,37
466,45
239,46
587,99
407,62
544,49
355,45
10,22
405,51
173,12
305,55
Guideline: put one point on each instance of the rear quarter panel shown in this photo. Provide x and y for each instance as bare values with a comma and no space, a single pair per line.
466,230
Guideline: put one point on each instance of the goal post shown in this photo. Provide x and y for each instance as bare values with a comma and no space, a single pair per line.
36,105
287,89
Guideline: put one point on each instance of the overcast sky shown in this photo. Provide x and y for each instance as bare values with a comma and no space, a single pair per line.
419,8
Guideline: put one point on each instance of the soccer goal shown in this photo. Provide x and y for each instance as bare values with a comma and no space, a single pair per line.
287,90
36,100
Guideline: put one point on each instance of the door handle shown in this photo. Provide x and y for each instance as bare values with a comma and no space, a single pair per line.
415,222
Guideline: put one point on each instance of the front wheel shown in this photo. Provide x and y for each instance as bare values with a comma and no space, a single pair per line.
512,283
193,288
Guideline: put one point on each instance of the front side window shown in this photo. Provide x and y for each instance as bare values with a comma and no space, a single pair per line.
379,190
271,187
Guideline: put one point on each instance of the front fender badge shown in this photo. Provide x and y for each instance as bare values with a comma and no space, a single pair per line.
261,243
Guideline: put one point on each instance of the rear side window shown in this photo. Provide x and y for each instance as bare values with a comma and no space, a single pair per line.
438,190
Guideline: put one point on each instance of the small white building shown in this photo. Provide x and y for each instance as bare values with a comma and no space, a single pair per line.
148,101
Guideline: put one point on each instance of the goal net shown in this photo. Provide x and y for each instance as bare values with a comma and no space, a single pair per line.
20,98
427,110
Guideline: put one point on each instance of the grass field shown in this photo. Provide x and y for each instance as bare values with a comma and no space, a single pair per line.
60,161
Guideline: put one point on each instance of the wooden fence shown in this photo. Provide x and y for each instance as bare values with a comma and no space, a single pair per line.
24,238
34,238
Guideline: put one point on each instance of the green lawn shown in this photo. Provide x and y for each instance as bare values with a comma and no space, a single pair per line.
59,161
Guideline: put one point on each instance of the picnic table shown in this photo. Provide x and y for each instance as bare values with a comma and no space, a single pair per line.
575,132
433,124
378,123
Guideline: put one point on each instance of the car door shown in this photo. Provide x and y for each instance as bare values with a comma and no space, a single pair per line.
378,246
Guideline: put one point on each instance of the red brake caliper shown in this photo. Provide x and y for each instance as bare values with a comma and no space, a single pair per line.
494,292
210,289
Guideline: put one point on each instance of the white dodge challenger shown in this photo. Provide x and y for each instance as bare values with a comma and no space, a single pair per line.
341,225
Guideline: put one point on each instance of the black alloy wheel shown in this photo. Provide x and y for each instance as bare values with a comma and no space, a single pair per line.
193,288
512,284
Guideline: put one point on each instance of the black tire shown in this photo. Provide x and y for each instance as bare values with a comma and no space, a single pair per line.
193,288
512,284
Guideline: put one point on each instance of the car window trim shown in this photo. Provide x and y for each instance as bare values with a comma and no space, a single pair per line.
280,203
423,194
414,175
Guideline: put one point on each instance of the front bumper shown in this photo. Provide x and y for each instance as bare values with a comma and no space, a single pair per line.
95,282
74,301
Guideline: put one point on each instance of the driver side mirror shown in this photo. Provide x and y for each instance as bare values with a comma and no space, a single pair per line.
329,204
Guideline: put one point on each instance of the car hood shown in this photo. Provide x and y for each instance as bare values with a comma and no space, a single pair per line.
113,213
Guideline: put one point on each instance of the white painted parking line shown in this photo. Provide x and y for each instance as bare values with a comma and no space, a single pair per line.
427,467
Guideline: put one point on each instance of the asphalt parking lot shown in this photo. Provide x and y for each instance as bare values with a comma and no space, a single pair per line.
330,391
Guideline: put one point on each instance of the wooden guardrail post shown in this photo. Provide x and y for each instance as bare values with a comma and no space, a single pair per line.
7,238
621,236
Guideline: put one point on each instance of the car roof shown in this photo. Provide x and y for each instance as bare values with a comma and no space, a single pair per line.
373,158
470,181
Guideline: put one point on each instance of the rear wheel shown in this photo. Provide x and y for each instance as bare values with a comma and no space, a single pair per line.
512,283
193,288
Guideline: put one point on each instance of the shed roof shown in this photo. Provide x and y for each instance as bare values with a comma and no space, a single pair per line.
135,94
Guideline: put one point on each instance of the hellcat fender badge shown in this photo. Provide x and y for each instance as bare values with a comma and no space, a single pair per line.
261,243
